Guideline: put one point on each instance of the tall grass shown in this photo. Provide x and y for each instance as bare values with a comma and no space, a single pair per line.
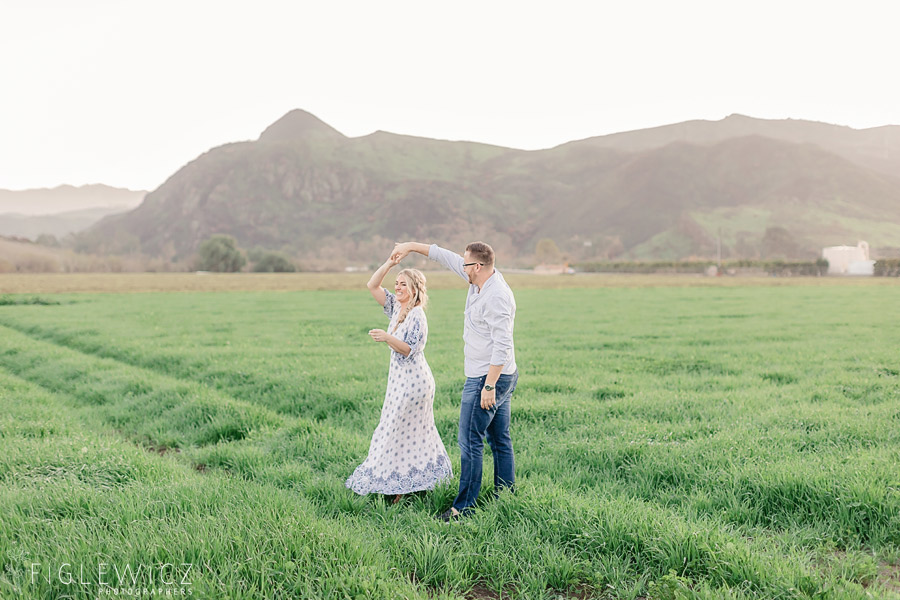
710,442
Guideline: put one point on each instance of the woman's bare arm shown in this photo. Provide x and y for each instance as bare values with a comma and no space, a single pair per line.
377,279
396,344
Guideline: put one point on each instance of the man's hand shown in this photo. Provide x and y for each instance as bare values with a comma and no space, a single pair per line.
401,251
379,335
488,398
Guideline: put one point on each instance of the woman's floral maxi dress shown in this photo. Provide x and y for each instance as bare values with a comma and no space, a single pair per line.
406,453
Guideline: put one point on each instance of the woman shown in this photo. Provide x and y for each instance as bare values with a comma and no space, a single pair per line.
406,453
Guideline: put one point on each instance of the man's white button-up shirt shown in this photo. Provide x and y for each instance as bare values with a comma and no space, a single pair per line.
489,318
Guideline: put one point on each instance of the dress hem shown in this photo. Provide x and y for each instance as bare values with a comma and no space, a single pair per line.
363,481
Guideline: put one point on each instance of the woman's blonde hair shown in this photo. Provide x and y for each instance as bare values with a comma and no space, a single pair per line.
415,281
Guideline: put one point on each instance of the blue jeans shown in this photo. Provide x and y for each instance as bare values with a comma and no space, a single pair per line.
476,424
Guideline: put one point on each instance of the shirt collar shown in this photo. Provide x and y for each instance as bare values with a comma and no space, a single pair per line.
489,281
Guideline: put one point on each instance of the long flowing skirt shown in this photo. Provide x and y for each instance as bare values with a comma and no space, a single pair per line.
406,453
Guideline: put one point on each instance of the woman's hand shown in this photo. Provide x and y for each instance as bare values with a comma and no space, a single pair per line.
395,344
379,335
400,252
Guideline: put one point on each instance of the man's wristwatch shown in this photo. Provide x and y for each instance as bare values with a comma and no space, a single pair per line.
488,387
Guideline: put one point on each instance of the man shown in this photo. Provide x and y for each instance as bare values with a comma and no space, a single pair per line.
490,366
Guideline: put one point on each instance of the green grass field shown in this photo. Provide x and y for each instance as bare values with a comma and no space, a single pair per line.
712,441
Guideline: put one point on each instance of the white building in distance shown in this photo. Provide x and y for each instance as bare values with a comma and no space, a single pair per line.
849,260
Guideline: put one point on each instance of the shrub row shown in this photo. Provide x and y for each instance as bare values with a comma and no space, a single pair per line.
778,268
643,267
887,267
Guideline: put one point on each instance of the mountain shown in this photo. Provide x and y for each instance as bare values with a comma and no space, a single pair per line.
663,193
674,201
67,198
58,225
877,148
299,124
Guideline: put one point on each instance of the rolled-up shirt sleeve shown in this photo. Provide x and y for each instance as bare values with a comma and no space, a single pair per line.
500,317
450,260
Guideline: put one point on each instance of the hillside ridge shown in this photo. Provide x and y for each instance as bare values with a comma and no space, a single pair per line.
660,193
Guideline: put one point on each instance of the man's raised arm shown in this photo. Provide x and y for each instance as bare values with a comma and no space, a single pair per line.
402,250
450,260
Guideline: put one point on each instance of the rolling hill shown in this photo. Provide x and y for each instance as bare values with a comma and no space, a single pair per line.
67,198
877,148
57,225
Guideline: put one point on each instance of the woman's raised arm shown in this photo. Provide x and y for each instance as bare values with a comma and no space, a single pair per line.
377,278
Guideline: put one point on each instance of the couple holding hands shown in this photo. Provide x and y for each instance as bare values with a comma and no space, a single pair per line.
406,453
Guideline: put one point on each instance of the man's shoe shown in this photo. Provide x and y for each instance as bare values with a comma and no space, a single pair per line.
448,516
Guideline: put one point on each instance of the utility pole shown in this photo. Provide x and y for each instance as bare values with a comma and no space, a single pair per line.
719,250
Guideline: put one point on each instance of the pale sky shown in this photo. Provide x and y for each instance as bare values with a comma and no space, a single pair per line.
125,92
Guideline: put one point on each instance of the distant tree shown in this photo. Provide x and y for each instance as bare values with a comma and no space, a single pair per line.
220,253
547,251
272,262
256,254
47,239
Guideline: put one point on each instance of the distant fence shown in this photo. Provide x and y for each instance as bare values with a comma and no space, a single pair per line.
887,267
777,268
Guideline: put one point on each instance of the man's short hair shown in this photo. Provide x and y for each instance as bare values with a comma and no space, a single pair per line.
481,252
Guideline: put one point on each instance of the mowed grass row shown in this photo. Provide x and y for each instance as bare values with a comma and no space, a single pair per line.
751,420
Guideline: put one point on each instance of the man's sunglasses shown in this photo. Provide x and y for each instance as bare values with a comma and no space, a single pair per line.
470,264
